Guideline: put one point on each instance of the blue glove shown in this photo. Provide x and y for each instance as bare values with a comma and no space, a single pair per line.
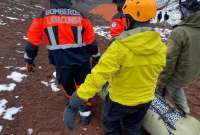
75,104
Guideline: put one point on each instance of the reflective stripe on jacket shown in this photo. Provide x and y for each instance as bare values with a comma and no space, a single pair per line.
67,34
131,65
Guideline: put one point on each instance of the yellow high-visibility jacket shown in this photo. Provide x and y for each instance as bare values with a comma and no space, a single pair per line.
131,65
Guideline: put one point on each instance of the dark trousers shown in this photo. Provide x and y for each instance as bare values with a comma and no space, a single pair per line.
130,117
71,77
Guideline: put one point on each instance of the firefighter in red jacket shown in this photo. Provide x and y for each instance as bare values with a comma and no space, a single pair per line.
70,40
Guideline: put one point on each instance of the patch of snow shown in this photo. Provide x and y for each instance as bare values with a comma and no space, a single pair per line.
12,18
18,44
2,23
1,128
173,12
164,33
45,83
3,103
102,31
54,74
8,67
1,57
12,58
16,97
37,6
16,76
25,38
19,9
52,80
52,83
30,131
10,9
7,87
161,3
26,16
10,112
21,68
54,87
39,67
20,52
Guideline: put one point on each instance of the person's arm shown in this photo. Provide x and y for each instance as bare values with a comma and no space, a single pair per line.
174,44
118,24
34,35
108,65
89,40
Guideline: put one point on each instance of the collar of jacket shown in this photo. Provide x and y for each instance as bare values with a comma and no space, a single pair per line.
136,24
134,31
60,4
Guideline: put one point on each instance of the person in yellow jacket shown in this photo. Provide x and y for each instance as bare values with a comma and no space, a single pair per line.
131,65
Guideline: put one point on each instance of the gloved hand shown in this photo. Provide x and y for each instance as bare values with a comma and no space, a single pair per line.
29,67
75,104
161,89
95,60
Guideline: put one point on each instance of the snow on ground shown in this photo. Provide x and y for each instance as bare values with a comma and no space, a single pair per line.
25,38
2,23
54,87
16,76
12,18
3,103
54,74
20,52
17,68
18,44
30,131
21,68
7,87
173,11
10,112
1,128
102,31
164,33
7,114
161,3
52,83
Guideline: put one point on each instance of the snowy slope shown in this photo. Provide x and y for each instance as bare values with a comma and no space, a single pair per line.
173,11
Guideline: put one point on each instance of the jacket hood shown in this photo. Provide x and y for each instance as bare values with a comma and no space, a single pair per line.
141,41
60,3
192,21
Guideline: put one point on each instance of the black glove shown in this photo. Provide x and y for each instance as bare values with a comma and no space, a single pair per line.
95,60
75,104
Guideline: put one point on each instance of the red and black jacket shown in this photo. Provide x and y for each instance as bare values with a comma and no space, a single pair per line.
67,34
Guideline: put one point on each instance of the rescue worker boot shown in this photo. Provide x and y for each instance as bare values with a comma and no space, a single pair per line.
85,115
85,120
